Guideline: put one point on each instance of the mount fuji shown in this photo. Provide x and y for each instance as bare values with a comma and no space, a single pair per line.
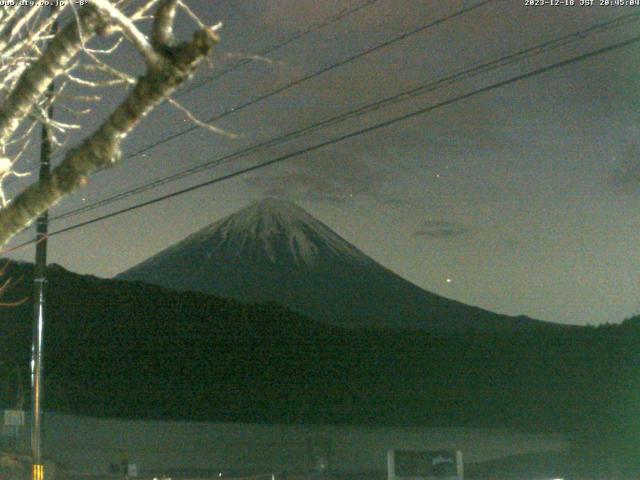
274,251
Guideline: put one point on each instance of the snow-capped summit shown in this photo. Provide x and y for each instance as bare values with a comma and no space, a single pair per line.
273,250
281,230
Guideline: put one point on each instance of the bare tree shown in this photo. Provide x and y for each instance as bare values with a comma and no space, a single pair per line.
33,55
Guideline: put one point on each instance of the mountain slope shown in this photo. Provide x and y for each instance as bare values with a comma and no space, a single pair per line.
275,251
117,349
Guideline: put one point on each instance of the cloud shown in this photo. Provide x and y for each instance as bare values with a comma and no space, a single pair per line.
441,229
329,178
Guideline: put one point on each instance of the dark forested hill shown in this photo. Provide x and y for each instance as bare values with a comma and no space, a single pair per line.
117,348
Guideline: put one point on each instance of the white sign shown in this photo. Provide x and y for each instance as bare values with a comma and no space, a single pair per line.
425,465
14,418
132,470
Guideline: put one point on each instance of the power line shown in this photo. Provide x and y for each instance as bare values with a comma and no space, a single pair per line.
294,83
313,75
342,14
411,93
313,28
356,133
296,36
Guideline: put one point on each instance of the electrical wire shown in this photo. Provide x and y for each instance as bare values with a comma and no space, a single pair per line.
365,109
344,13
313,28
296,36
299,81
333,141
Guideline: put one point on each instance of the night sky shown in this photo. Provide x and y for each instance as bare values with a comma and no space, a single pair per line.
521,200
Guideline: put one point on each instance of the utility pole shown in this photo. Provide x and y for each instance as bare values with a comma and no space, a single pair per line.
40,282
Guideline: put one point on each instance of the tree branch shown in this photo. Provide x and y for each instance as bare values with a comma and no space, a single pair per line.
130,31
162,31
34,82
102,149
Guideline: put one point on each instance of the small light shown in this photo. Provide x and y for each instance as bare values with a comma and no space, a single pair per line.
448,280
